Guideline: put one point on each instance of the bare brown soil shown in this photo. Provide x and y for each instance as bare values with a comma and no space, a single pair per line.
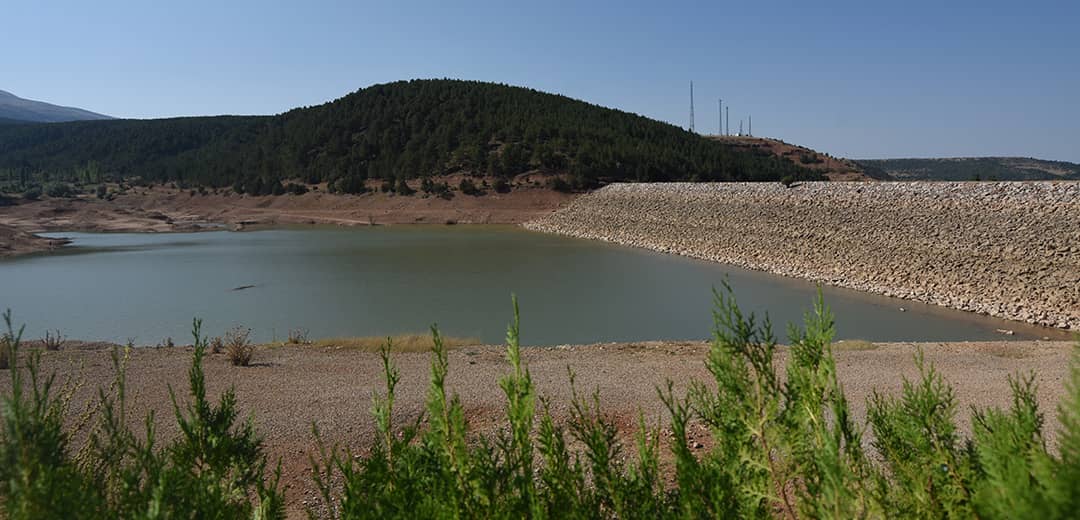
290,388
163,209
16,242
834,168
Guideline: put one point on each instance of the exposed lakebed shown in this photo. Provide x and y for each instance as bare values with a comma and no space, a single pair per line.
400,279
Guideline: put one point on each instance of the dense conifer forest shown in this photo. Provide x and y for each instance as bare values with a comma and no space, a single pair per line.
402,130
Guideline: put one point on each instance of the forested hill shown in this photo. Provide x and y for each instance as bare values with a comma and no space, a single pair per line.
973,168
403,129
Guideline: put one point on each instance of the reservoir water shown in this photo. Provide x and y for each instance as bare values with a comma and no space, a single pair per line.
388,280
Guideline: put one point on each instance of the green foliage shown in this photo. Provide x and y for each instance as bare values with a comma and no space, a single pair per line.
972,168
32,193
468,187
214,469
405,129
782,445
403,188
559,184
60,190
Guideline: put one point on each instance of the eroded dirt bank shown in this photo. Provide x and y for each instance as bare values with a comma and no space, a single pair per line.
1007,249
289,388
161,209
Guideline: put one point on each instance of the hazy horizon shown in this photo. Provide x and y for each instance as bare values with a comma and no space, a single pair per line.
865,82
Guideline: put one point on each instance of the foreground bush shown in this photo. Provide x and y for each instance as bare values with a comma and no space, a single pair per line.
214,469
783,445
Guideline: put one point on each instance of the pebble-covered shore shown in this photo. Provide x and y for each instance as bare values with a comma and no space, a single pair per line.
1007,249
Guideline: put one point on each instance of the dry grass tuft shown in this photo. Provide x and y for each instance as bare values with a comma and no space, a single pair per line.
853,344
297,337
217,345
402,343
238,346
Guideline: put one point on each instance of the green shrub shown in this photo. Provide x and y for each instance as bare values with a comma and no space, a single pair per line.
403,188
781,446
560,185
295,189
60,190
215,468
468,187
32,193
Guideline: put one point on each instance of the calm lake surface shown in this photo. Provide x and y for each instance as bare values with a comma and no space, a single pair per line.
401,279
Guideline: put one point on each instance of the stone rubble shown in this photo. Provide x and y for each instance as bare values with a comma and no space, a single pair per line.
1006,249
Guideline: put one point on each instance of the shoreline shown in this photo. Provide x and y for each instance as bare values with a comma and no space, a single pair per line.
165,210
988,261
1001,249
289,387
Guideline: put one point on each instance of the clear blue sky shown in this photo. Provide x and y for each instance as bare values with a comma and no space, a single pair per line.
860,79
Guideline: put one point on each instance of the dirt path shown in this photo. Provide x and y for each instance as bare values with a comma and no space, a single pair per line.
289,388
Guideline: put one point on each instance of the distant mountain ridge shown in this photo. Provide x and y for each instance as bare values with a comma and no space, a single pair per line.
972,168
15,108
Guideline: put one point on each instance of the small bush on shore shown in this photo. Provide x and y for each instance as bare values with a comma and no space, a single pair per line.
217,345
214,468
32,193
468,187
238,346
297,337
61,190
52,341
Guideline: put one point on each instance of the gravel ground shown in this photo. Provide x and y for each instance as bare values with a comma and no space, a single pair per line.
289,388
1007,249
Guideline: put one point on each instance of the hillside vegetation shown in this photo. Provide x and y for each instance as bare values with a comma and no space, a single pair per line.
393,131
973,169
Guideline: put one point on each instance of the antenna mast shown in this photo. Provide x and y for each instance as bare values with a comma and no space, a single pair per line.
727,121
720,116
750,126
691,106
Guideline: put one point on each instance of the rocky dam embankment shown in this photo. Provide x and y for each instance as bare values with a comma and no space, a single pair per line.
1006,249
